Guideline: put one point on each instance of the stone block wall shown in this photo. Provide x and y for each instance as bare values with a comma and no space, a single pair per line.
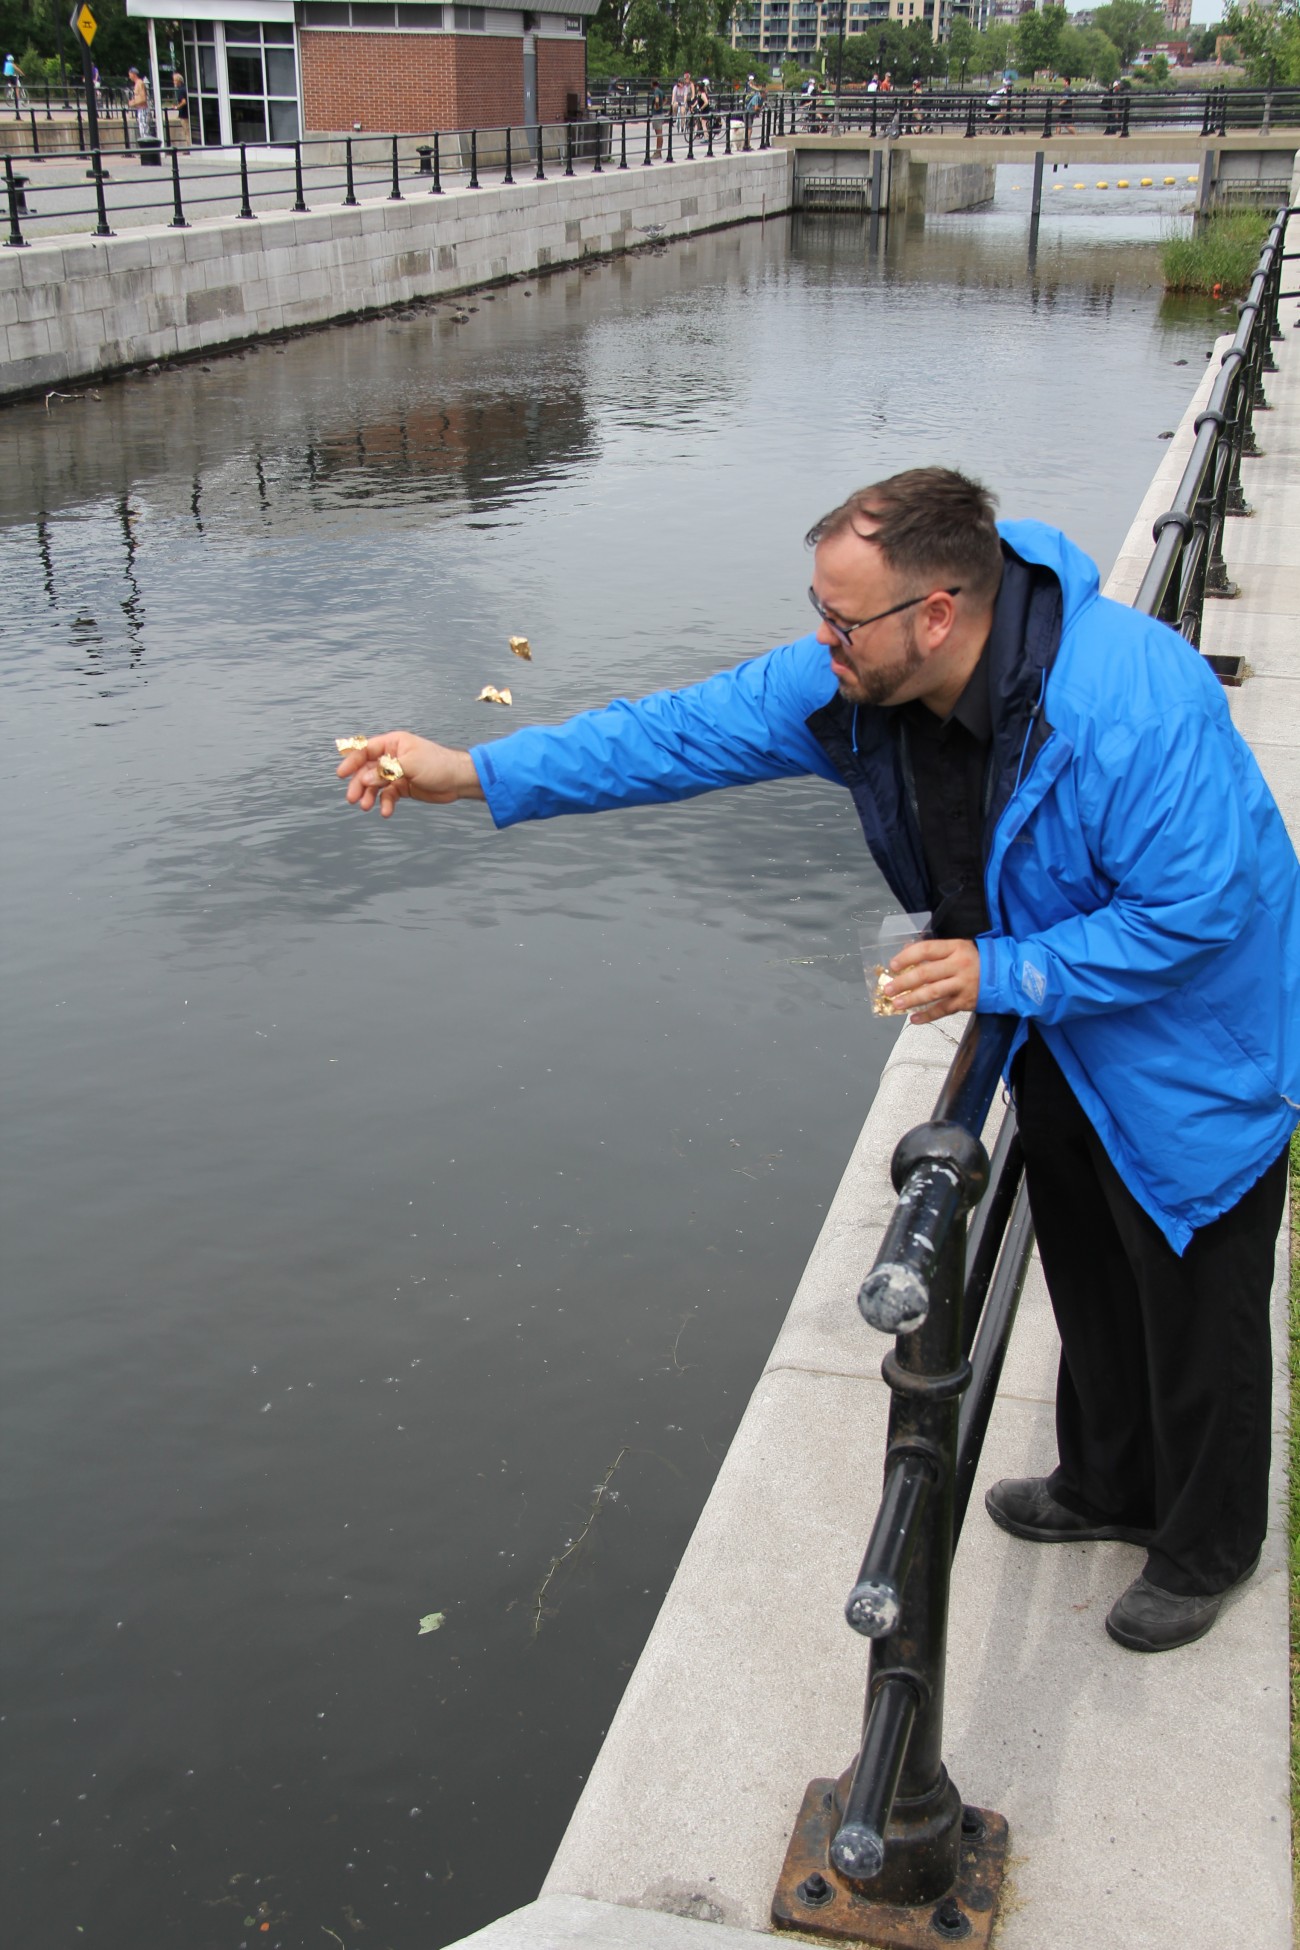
78,308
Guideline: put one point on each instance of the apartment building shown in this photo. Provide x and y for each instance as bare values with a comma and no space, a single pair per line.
796,30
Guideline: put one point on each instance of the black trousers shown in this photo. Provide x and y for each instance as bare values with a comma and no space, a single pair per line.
1163,1400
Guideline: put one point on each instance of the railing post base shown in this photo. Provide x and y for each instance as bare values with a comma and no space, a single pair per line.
813,1899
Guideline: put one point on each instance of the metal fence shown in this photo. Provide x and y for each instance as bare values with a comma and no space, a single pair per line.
888,1853
265,178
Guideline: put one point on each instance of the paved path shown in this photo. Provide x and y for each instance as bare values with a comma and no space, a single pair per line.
1147,1797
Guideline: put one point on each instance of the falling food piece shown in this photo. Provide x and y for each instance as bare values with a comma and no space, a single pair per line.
357,744
522,648
431,1622
491,695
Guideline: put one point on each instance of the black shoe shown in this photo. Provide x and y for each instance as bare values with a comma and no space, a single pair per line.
1146,1618
1026,1507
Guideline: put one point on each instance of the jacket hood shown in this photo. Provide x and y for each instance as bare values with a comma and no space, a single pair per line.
1034,541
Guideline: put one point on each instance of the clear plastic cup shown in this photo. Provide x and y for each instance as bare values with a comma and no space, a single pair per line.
880,937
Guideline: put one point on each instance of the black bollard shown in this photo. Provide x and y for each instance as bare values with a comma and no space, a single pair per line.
245,208
178,220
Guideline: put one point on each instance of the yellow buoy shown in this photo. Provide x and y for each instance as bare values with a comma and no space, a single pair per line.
1121,182
1191,179
1171,179
1147,182
1015,186
1103,186
1058,186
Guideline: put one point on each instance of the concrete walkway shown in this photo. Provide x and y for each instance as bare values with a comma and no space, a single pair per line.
1147,1797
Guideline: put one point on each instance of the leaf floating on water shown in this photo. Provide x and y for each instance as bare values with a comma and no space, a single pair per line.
522,648
356,744
431,1622
491,695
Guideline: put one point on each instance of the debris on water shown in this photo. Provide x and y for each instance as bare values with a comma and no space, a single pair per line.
521,647
1166,436
491,695
432,1621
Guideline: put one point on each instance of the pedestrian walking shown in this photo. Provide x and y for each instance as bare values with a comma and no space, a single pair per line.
657,116
1059,780
138,101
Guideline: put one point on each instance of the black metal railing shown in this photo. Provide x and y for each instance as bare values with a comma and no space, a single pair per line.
888,1853
265,178
1188,564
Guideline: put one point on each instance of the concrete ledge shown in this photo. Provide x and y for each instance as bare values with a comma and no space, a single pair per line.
571,1923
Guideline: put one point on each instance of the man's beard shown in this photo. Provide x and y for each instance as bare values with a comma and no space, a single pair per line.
880,684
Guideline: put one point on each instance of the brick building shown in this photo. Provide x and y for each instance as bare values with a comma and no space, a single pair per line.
262,71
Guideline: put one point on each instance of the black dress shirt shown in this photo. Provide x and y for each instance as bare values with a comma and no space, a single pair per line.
948,762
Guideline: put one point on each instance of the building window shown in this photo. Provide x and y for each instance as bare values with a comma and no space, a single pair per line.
470,20
262,76
374,16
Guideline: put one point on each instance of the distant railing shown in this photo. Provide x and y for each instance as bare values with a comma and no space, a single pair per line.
278,176
887,1853
1188,563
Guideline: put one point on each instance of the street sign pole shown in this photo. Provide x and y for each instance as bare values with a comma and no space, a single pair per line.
83,24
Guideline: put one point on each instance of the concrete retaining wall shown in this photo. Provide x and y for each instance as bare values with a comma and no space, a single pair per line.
909,184
74,310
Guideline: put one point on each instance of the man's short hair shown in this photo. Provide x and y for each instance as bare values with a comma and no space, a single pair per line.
929,522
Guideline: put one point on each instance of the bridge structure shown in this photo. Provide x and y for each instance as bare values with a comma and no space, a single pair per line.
923,170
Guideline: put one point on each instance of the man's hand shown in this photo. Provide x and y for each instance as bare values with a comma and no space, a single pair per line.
435,774
935,978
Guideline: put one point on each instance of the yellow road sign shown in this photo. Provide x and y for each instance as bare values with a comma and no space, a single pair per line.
85,23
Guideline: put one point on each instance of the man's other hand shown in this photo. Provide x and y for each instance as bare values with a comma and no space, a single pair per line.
935,978
435,774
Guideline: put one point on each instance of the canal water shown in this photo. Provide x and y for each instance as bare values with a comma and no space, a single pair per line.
397,1217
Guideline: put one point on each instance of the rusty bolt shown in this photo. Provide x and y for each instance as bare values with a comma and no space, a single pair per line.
815,1891
950,1921
972,1824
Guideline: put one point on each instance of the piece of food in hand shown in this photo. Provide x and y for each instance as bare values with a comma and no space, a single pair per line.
389,770
491,695
357,744
522,648
882,1002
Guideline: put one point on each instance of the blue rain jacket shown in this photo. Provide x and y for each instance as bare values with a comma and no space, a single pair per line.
1143,891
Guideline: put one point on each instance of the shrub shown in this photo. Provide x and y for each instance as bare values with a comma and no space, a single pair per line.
1219,257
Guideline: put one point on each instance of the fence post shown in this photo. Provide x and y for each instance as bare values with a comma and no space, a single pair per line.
395,194
15,241
298,202
509,176
437,168
622,157
539,174
568,148
1123,113
709,126
126,134
36,144
598,167
351,196
690,136
178,220
726,140
1047,121
646,163
473,159
245,208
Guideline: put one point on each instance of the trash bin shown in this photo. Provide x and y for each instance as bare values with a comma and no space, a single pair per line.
150,152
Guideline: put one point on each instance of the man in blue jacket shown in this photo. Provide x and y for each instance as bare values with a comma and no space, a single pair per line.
1058,778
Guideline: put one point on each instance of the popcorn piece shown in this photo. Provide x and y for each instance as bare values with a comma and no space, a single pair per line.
522,648
882,1003
389,770
491,695
357,744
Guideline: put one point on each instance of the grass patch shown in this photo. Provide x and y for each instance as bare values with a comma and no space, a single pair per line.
1293,1511
1220,256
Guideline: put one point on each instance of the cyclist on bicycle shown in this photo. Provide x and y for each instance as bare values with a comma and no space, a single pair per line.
14,81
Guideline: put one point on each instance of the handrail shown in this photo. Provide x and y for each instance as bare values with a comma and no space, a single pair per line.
283,175
889,1841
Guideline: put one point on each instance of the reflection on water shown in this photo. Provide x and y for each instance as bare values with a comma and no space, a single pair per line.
372,1190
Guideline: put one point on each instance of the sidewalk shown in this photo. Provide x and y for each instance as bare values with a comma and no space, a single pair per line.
1148,1798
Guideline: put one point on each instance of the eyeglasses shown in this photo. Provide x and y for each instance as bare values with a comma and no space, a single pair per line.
845,630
